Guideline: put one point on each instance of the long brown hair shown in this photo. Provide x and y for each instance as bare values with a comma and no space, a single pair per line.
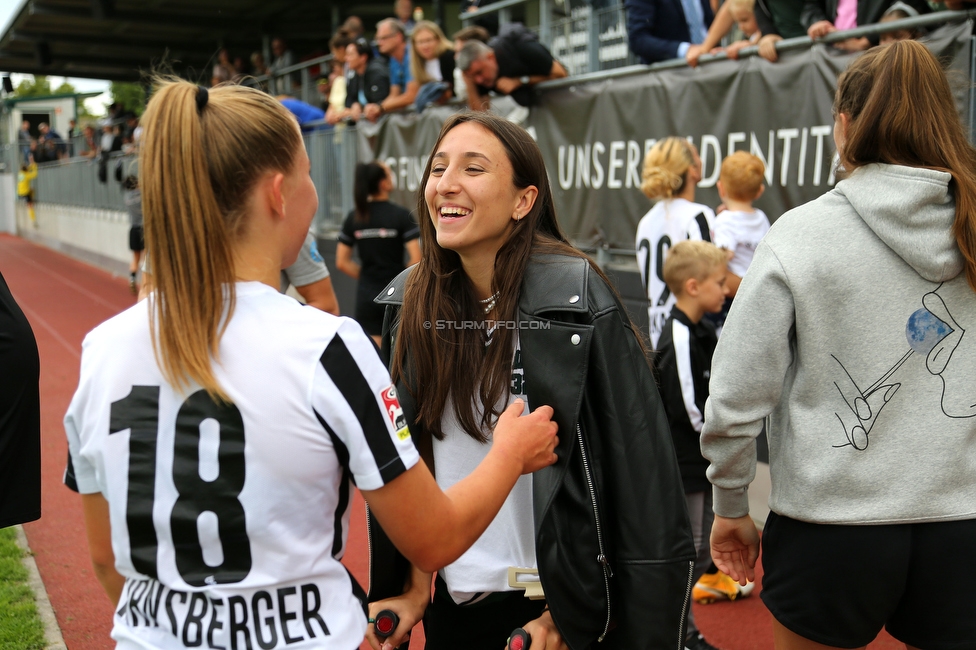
436,364
417,65
202,152
901,112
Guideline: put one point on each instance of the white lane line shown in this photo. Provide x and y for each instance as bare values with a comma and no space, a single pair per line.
33,316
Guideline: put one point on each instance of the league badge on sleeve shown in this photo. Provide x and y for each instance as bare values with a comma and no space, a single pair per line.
395,413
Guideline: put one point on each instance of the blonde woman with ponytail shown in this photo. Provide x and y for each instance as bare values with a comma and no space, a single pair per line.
218,426
672,170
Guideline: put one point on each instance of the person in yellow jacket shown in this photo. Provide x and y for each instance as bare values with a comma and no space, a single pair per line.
24,189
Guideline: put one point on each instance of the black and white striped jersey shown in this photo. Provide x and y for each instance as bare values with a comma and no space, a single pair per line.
664,225
229,519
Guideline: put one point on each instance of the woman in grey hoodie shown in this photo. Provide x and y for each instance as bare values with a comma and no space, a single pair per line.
849,333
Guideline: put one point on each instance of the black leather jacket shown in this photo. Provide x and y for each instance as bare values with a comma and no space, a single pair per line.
613,541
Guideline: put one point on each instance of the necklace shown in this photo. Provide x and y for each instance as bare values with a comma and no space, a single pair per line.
489,302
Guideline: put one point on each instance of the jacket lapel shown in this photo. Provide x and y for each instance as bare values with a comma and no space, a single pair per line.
555,351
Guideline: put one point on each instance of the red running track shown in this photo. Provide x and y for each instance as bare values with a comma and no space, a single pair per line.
64,299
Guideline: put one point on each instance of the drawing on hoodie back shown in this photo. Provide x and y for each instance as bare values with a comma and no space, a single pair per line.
933,332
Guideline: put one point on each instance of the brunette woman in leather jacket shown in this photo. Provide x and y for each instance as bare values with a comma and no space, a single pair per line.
502,306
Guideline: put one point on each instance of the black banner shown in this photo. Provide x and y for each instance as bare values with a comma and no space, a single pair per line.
594,135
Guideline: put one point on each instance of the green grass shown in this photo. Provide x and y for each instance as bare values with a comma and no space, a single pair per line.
20,626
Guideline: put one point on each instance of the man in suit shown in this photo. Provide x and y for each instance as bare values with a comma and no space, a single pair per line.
659,30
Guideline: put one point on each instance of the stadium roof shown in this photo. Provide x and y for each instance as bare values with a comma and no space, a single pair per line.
116,39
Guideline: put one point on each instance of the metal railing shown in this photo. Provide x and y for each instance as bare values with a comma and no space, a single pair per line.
284,81
334,154
583,37
10,158
75,182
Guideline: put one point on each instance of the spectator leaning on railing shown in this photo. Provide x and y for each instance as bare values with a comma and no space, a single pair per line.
659,30
337,93
368,80
431,64
510,64
821,17
462,36
391,40
755,21
50,144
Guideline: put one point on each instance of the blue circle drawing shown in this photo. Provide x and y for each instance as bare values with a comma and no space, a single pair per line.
925,330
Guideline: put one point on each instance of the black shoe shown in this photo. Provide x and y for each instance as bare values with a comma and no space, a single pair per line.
698,642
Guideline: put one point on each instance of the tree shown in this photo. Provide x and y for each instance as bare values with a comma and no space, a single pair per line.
132,96
65,89
31,86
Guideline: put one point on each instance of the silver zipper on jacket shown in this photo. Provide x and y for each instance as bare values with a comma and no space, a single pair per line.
602,557
687,605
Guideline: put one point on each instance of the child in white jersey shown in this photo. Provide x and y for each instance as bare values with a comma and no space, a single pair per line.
219,427
672,169
740,227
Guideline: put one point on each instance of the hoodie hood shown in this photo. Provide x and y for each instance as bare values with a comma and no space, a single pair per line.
912,211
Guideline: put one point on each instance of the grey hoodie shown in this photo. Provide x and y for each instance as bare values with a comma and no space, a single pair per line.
849,331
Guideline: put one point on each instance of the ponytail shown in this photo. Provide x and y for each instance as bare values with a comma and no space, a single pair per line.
367,183
201,155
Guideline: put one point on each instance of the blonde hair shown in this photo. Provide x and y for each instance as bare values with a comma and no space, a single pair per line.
666,168
743,4
197,168
417,64
689,259
742,176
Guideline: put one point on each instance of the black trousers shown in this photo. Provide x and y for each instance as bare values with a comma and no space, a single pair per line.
482,626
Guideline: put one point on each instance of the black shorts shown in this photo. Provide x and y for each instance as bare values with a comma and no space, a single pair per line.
368,313
482,626
839,585
136,240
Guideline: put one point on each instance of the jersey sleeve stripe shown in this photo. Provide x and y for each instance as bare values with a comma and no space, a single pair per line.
342,454
342,368
702,221
69,475
411,234
681,339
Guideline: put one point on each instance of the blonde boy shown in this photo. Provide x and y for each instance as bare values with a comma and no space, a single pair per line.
695,272
740,227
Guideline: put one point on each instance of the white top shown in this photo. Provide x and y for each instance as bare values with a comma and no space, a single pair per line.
740,232
667,223
433,68
510,538
228,522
